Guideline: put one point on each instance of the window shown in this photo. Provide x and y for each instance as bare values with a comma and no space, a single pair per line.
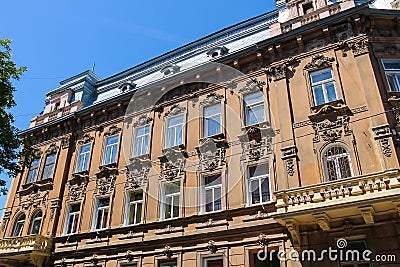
308,8
72,218
135,208
83,158
171,201
337,163
36,223
110,150
254,108
353,254
49,166
174,131
168,264
212,120
141,144
33,171
392,71
259,189
323,86
101,214
262,260
213,262
19,225
212,193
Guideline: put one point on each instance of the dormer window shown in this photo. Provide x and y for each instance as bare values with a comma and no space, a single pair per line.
308,8
217,52
127,87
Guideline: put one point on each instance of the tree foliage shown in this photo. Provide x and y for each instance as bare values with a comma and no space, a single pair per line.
9,139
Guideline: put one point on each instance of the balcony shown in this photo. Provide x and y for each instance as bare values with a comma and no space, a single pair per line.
25,250
75,106
367,197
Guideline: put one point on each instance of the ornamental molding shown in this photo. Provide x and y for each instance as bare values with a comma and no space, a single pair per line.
86,138
66,141
217,52
359,47
211,99
172,163
382,136
77,187
33,200
137,172
143,120
252,86
5,220
277,72
170,69
129,256
55,205
319,61
127,86
112,130
175,110
105,179
167,251
256,142
212,247
53,148
263,240
289,155
211,153
331,129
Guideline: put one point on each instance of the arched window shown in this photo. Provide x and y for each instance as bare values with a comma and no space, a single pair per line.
35,224
337,163
19,225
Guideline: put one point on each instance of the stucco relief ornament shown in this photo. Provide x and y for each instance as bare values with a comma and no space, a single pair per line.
319,61
33,200
172,163
167,251
331,129
359,47
212,98
77,187
85,139
66,141
212,247
143,120
256,142
105,180
53,148
277,72
175,110
113,130
129,256
263,240
382,135
252,86
5,220
211,153
137,172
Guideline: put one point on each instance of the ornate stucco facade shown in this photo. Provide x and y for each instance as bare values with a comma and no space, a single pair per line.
300,151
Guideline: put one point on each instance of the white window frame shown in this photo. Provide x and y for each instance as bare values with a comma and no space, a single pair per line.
72,215
395,73
144,147
46,166
35,170
335,159
85,156
112,147
136,203
323,84
259,178
204,194
34,219
176,126
206,119
172,196
247,107
19,222
102,210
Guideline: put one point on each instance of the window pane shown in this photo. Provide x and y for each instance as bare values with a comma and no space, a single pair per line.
255,114
258,170
85,148
103,202
265,190
209,200
212,110
175,121
217,198
255,98
213,180
168,207
318,95
391,64
255,192
215,263
112,140
212,126
318,76
331,91
171,189
75,207
176,206
138,213
36,226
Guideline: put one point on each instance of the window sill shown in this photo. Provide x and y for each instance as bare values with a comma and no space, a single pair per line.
40,185
328,109
212,223
394,98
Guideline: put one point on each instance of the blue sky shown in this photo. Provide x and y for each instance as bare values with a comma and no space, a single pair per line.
58,39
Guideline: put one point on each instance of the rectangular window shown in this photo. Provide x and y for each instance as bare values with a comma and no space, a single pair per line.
254,108
49,166
212,193
353,254
171,200
259,189
168,264
141,143
19,226
392,72
262,260
33,171
102,209
323,86
110,150
135,207
71,226
213,262
212,120
83,158
174,131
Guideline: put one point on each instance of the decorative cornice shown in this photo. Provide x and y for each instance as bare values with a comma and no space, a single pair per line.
143,120
211,99
252,86
113,130
175,110
319,61
85,139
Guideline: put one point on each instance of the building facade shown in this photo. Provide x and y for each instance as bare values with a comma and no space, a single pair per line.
280,133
